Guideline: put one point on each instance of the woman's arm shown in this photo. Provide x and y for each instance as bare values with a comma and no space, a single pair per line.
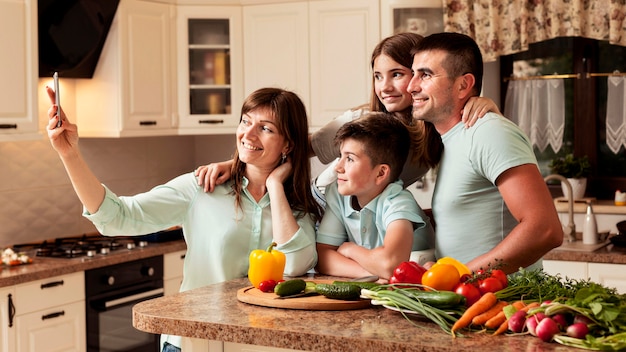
64,140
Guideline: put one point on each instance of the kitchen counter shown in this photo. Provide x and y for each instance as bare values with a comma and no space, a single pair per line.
214,313
609,254
45,267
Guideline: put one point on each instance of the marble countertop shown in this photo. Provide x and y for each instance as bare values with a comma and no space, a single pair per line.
43,267
214,313
608,254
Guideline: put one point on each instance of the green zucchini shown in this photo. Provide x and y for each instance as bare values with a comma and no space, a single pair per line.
366,285
440,299
290,287
343,292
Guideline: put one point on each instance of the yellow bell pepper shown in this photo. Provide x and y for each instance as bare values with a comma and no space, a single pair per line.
457,264
266,265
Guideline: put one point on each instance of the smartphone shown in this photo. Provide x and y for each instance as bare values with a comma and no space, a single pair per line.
57,96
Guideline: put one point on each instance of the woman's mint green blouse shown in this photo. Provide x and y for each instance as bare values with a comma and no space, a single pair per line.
219,236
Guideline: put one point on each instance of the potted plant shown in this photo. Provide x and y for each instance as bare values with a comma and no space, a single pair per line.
575,169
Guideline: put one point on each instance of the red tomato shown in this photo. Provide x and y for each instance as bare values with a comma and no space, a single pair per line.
471,292
490,284
465,277
267,285
501,276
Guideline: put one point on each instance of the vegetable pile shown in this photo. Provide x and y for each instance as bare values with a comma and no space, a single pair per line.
577,313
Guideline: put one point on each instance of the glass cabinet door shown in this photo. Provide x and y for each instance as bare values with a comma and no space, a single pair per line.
423,17
209,67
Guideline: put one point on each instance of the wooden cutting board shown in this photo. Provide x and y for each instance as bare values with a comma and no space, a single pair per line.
255,296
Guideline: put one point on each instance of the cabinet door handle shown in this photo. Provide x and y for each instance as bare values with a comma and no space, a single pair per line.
53,315
11,310
8,126
52,284
147,123
215,122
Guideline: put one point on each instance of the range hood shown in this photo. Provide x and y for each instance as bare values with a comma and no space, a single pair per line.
72,34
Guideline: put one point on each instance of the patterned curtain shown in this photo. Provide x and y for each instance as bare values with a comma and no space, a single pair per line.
503,27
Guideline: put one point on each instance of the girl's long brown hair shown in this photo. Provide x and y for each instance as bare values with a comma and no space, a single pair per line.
292,122
427,144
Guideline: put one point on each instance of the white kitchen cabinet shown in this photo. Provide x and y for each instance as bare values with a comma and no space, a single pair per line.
423,17
319,49
210,68
173,272
609,275
573,270
19,70
132,92
276,43
50,314
7,327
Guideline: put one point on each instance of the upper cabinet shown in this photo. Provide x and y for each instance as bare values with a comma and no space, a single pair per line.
319,49
423,17
18,69
210,75
132,91
276,43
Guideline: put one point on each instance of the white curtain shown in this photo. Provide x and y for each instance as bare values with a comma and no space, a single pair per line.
538,108
616,113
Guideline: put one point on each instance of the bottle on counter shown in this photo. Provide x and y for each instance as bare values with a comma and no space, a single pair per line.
590,227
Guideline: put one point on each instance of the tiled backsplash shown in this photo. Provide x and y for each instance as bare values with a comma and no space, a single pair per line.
37,201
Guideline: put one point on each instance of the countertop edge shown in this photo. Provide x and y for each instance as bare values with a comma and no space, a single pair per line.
43,268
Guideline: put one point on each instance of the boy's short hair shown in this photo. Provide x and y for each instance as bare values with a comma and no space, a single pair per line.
385,139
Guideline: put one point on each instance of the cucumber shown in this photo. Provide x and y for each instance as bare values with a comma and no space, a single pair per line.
290,287
439,299
365,285
343,292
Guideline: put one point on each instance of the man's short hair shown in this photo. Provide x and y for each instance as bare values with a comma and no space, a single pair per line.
463,55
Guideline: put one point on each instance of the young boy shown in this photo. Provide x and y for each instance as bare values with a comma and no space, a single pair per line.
371,223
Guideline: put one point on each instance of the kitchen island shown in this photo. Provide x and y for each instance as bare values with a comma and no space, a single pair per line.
213,313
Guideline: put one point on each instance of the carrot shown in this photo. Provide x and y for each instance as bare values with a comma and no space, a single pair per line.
482,318
485,302
505,325
497,320
502,328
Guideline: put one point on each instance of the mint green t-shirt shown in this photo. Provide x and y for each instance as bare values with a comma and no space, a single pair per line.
471,215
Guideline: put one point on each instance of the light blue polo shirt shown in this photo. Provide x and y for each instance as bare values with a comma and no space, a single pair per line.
367,227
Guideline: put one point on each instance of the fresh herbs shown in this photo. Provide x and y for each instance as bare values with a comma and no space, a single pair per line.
537,285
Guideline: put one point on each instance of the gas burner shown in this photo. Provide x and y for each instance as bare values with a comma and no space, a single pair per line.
74,247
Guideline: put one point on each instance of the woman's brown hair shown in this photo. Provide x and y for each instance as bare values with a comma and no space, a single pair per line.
292,122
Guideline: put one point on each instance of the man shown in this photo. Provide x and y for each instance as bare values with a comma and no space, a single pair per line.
490,201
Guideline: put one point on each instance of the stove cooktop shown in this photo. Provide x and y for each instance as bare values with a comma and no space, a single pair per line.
81,246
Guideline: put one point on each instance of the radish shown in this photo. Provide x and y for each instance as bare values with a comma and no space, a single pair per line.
561,321
577,330
546,329
517,321
532,321
582,319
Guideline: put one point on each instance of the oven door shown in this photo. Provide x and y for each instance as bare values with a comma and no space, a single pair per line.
109,321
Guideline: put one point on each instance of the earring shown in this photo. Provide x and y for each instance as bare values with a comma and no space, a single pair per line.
283,158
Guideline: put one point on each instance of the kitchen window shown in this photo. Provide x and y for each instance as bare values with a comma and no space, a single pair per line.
585,103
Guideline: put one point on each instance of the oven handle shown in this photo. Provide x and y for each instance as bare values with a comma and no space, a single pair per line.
124,300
